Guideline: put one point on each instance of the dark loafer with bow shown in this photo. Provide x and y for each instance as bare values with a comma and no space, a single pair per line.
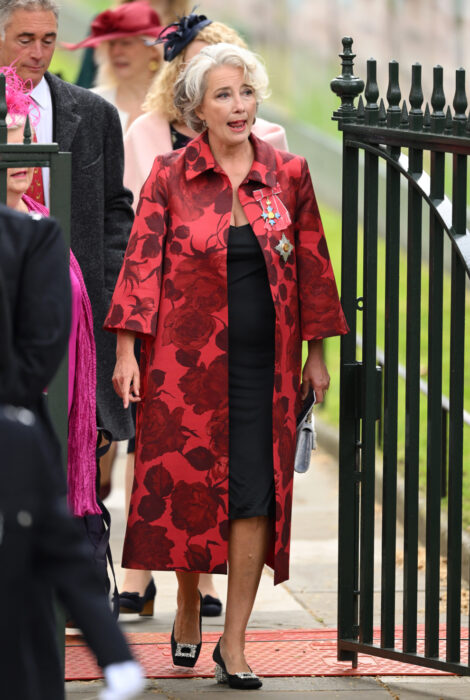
211,607
135,604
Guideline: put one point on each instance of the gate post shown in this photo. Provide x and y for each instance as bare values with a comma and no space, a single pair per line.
347,87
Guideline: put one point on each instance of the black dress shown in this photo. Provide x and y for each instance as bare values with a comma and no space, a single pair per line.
251,322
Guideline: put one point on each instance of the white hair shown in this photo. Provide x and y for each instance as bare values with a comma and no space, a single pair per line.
191,86
8,7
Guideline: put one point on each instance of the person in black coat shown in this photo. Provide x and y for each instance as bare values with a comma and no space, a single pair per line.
42,550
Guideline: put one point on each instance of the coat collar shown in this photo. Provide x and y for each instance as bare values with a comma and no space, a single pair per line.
199,159
66,114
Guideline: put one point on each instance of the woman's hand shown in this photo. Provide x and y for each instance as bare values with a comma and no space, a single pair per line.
314,373
126,376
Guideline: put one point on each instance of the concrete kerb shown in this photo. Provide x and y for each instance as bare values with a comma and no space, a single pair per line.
328,439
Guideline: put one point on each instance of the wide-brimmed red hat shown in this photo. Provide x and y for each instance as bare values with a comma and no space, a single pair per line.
131,19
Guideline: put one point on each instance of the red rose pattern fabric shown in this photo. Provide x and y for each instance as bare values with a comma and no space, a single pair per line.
172,292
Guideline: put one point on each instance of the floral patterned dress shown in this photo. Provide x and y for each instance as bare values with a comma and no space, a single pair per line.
172,292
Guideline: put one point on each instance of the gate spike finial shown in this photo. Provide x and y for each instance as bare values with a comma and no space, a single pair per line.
393,95
427,118
347,86
438,101
448,124
382,113
371,92
27,132
460,102
360,115
404,121
3,110
416,98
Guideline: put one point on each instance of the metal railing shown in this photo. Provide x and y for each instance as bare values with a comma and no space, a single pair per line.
445,408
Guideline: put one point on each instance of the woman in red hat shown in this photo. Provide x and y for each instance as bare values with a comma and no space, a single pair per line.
126,64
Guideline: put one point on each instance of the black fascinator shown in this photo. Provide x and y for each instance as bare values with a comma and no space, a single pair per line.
178,35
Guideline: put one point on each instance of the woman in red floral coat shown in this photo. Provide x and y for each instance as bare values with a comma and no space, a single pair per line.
195,506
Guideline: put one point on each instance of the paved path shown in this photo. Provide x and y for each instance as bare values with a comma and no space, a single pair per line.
307,600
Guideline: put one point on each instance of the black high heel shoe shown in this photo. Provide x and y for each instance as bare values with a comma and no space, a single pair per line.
185,654
240,681
132,603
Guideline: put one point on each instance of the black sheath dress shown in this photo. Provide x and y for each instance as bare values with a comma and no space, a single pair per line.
251,323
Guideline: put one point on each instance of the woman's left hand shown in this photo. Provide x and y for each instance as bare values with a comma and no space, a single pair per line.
315,373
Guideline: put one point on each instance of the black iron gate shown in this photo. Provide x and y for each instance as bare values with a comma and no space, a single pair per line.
378,136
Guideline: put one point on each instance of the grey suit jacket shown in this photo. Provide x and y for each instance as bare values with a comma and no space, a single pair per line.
89,128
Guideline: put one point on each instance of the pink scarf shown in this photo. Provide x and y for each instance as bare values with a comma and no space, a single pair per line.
81,472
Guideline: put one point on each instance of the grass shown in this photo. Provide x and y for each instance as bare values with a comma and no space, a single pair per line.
330,412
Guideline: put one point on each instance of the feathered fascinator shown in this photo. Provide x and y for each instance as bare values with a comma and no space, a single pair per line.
20,104
178,35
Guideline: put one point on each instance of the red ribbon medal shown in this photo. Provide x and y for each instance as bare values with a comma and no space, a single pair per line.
275,215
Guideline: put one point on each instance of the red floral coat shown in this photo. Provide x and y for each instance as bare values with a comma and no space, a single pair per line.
172,292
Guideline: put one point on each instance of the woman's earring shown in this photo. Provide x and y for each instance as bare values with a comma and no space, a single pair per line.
204,124
153,65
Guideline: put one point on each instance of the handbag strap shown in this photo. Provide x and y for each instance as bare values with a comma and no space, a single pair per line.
104,550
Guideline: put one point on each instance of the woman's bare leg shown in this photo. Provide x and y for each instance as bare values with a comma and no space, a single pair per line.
187,614
135,580
106,466
248,544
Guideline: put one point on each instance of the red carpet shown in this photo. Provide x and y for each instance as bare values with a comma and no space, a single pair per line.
270,653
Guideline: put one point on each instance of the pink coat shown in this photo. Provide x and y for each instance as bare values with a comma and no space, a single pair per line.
149,136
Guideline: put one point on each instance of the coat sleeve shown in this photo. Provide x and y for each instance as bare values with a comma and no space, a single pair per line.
321,314
136,298
41,320
118,214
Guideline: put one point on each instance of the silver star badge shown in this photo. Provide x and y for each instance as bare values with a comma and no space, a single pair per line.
284,247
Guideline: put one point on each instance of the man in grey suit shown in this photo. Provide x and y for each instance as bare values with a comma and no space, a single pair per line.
87,126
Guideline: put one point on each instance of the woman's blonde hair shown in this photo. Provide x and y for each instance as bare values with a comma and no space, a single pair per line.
191,86
160,97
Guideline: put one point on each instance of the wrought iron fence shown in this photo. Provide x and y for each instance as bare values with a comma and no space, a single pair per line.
380,134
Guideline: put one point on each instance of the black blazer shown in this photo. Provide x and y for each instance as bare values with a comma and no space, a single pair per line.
35,318
36,287
88,126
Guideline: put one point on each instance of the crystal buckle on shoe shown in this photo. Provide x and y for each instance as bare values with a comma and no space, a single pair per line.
188,651
245,675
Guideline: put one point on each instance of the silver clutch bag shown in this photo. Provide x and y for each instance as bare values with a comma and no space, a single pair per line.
306,436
